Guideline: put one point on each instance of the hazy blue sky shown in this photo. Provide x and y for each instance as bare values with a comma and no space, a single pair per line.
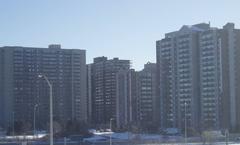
114,28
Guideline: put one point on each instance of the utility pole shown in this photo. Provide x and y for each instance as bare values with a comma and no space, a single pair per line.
65,141
51,106
13,123
185,110
111,131
226,136
34,119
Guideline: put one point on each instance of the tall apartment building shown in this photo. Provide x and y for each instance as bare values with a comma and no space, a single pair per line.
177,60
147,100
211,77
21,89
220,50
104,88
232,43
125,98
197,65
137,101
89,93
166,77
219,80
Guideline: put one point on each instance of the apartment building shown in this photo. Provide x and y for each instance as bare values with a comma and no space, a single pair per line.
22,90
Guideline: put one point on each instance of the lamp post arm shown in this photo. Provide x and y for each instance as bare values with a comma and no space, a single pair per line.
49,84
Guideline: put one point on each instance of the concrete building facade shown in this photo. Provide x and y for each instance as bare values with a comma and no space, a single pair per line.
197,67
104,88
126,96
177,60
21,89
147,100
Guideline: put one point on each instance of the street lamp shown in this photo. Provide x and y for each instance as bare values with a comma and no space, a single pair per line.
111,131
185,110
13,123
34,119
51,107
226,136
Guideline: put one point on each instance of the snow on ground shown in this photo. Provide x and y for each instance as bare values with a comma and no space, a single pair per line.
95,138
125,136
20,137
101,136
